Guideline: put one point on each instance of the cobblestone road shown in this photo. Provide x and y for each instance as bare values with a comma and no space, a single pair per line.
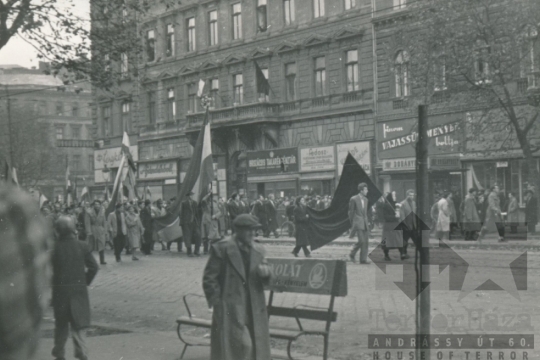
148,294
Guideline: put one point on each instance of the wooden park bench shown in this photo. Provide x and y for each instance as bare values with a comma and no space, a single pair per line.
307,276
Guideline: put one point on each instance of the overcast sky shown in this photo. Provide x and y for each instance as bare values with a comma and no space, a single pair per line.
18,52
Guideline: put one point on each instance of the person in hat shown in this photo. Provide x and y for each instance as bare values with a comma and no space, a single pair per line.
97,234
159,211
190,221
74,268
240,321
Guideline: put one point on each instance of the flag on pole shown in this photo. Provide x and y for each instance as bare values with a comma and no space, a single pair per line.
201,88
263,86
14,176
127,152
115,197
85,194
68,184
147,193
42,199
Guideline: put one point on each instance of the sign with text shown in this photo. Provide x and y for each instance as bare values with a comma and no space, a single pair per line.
310,276
404,164
397,138
317,158
272,162
157,170
360,150
110,158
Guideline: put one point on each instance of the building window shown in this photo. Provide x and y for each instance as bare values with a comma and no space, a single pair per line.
152,115
214,92
170,40
439,81
289,11
262,18
123,64
482,74
106,129
90,162
290,81
349,4
59,108
75,109
75,162
191,43
351,68
150,45
126,118
263,96
237,21
59,133
238,89
192,98
212,28
318,8
400,4
320,76
171,105
75,132
401,70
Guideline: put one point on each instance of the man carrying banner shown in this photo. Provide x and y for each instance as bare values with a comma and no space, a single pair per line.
358,209
191,224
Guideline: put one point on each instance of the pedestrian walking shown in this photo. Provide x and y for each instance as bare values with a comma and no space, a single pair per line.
301,220
158,211
443,220
512,217
358,208
135,231
391,217
259,211
117,230
270,208
233,283
453,214
190,222
97,224
434,214
531,211
406,208
209,222
233,208
148,224
74,268
471,219
222,222
493,214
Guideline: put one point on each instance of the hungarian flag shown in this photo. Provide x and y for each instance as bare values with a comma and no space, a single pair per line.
263,86
127,152
69,198
14,176
42,199
199,176
147,193
9,174
117,193
85,194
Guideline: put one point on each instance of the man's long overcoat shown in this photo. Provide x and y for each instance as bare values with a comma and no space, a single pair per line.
227,288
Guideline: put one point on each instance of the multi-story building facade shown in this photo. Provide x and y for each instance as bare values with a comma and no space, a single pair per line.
63,112
317,58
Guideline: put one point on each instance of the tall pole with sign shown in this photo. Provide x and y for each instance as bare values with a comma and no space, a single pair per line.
423,298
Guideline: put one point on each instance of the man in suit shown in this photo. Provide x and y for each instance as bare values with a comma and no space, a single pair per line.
148,224
259,210
408,206
358,209
74,268
233,209
190,222
270,207
116,224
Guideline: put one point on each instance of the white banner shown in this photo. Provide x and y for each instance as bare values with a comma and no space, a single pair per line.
111,157
318,158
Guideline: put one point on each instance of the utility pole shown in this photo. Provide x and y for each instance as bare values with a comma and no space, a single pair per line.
10,127
423,298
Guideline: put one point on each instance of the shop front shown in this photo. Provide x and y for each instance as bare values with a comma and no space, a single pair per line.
396,150
106,163
317,170
272,171
158,179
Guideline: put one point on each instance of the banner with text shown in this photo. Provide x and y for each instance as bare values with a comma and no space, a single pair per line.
360,150
319,158
159,170
272,162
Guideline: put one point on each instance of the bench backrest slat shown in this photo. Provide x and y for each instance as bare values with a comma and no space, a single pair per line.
308,314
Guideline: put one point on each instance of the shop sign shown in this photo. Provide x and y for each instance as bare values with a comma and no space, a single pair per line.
157,170
502,164
404,164
318,158
360,150
110,158
272,162
444,163
398,138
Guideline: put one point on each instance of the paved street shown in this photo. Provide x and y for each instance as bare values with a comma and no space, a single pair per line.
147,296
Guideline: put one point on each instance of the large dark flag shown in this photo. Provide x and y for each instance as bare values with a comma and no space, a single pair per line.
263,86
327,225
198,178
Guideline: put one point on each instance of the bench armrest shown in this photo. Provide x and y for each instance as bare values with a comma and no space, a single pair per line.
186,302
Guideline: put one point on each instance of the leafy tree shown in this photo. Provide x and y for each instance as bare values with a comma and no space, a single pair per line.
482,57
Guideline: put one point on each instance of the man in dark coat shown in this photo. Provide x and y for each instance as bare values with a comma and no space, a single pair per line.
148,224
190,221
259,210
233,283
233,209
270,208
74,268
408,206
358,209
531,212
301,219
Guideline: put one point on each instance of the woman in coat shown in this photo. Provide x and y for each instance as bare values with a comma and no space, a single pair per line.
301,219
471,220
443,221
210,222
391,238
513,213
135,231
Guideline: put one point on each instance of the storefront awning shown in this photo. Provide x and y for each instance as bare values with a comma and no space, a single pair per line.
270,178
323,175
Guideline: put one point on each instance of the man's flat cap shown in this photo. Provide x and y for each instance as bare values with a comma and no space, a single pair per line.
246,221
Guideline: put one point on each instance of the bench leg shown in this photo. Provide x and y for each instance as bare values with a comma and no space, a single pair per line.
325,349
289,349
184,351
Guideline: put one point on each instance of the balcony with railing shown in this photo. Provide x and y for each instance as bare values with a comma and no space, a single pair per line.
74,143
160,128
